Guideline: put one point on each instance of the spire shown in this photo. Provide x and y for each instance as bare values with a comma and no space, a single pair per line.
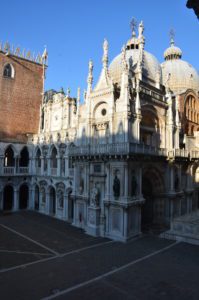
68,92
78,95
78,100
90,77
105,55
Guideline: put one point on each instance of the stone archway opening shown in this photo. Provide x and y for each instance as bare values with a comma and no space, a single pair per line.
52,203
153,210
148,207
8,197
23,196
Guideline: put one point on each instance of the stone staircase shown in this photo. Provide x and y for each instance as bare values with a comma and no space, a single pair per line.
184,228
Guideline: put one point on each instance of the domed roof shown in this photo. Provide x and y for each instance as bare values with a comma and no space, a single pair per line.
182,75
178,74
151,66
172,51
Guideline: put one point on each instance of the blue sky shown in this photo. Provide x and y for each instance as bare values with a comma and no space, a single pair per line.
74,32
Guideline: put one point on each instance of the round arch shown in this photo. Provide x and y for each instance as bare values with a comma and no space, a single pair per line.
152,188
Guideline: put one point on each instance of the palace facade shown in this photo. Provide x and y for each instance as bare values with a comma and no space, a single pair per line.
124,160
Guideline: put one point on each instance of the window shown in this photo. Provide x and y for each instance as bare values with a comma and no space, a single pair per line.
8,71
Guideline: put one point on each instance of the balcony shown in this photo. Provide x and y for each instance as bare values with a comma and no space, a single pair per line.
15,171
9,170
117,149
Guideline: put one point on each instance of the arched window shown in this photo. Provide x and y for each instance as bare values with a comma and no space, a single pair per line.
8,71
9,160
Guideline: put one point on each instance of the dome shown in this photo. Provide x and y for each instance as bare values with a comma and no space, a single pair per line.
151,66
178,74
172,51
181,74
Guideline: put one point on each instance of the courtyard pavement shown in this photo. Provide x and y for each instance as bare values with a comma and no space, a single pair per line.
44,258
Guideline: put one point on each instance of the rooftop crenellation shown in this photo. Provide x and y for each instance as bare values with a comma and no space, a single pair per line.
23,53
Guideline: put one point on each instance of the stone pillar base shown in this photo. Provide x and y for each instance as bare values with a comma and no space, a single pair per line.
93,224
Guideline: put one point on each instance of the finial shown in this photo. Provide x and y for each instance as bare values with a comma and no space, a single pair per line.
62,90
105,55
68,92
172,36
133,25
45,56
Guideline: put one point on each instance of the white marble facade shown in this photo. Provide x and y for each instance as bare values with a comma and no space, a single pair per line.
116,162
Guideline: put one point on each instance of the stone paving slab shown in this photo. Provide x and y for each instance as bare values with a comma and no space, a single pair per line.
54,234
149,274
44,278
172,274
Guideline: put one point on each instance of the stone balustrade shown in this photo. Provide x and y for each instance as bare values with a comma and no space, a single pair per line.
129,149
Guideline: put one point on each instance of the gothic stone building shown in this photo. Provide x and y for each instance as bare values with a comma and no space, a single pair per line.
121,161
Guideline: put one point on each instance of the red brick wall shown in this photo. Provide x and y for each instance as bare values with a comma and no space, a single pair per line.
20,98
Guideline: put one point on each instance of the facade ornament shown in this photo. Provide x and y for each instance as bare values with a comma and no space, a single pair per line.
95,196
116,187
105,55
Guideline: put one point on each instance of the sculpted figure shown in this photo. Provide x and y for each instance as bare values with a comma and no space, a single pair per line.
95,196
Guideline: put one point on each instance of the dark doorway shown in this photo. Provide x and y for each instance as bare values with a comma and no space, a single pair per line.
8,196
24,158
23,196
36,198
147,208
52,208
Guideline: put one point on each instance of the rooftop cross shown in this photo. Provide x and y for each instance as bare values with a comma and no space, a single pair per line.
172,36
133,25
